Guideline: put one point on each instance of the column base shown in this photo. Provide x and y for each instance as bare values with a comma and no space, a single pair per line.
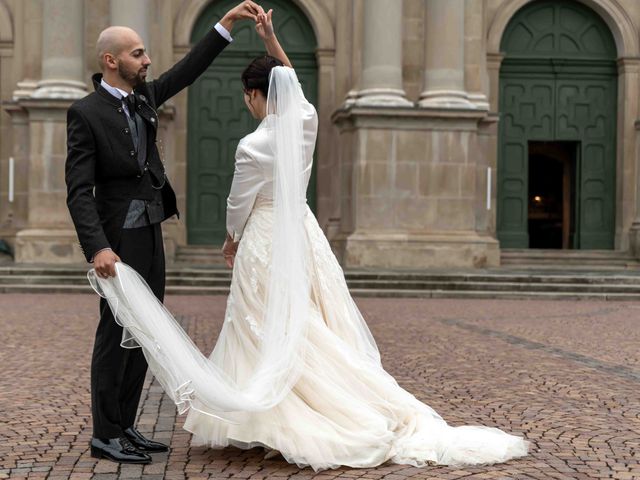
479,100
453,99
47,246
463,250
24,89
60,89
634,239
382,97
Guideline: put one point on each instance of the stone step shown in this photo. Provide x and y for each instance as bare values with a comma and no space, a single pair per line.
575,259
378,279
384,285
549,252
199,255
380,285
494,295
204,276
502,283
479,295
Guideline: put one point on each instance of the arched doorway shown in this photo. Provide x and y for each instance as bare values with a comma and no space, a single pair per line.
557,135
218,118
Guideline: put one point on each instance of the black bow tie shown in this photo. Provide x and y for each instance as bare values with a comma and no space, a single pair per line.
131,102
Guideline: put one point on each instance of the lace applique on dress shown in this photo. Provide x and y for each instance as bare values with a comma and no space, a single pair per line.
228,317
254,326
329,273
254,280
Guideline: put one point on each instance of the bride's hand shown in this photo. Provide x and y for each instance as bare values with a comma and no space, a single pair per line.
229,250
264,25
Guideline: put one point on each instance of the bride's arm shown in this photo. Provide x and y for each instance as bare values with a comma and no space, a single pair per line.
247,182
264,27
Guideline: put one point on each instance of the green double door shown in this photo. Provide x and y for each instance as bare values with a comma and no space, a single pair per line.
558,87
218,117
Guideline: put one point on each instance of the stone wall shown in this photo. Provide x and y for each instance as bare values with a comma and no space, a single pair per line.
408,122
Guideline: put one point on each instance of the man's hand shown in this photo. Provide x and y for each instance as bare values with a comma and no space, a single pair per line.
264,25
246,10
229,250
105,263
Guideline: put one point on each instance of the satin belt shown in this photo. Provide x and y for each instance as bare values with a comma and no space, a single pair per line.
267,202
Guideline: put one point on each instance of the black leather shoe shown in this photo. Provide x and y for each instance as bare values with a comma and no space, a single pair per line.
144,444
117,450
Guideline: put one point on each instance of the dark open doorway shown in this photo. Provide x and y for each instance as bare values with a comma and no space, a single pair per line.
552,194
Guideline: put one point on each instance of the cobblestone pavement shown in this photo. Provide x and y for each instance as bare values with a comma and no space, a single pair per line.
564,374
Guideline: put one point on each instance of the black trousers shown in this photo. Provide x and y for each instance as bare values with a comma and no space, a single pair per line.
117,374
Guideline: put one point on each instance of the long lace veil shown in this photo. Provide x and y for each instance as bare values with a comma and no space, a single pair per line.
191,379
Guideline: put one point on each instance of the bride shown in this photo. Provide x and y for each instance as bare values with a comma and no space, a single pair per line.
295,368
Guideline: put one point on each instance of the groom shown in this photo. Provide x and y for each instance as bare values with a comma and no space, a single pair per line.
118,194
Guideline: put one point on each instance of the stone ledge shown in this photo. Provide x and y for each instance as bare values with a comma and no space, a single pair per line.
52,246
411,118
417,250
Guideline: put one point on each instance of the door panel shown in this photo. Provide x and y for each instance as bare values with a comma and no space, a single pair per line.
587,110
527,113
558,82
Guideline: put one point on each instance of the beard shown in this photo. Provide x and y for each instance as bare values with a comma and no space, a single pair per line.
133,78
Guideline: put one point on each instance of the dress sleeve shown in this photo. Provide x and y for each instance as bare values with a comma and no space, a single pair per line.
248,179
309,124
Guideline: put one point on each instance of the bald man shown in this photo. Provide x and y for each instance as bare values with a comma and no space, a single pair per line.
118,195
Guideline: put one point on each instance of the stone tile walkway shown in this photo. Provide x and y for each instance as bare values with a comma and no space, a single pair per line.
564,374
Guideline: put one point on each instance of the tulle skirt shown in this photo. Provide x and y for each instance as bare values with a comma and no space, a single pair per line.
344,409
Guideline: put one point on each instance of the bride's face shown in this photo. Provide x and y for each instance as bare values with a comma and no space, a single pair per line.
256,103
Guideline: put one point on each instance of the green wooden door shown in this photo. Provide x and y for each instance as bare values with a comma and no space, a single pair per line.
218,117
558,83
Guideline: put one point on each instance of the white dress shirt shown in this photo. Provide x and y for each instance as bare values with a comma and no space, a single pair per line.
224,32
253,173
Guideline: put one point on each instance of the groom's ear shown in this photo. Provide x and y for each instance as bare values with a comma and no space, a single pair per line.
110,61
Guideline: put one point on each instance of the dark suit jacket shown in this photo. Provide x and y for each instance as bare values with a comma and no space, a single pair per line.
101,154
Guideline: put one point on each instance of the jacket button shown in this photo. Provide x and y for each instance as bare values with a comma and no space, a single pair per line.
126,131
119,109
132,153
143,98
153,120
138,176
146,168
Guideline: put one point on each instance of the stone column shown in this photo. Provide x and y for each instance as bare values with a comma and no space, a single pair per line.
47,234
62,55
135,15
444,56
476,79
382,55
132,14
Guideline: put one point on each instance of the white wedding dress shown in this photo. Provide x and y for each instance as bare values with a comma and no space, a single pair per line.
341,408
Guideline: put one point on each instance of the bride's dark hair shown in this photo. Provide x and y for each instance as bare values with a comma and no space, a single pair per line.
256,75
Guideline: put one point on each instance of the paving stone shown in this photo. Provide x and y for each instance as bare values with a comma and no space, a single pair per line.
563,374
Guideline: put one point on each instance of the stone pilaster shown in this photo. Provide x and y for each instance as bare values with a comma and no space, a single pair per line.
444,56
381,83
628,208
409,184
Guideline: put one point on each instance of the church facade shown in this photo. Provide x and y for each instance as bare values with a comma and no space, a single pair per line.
449,130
